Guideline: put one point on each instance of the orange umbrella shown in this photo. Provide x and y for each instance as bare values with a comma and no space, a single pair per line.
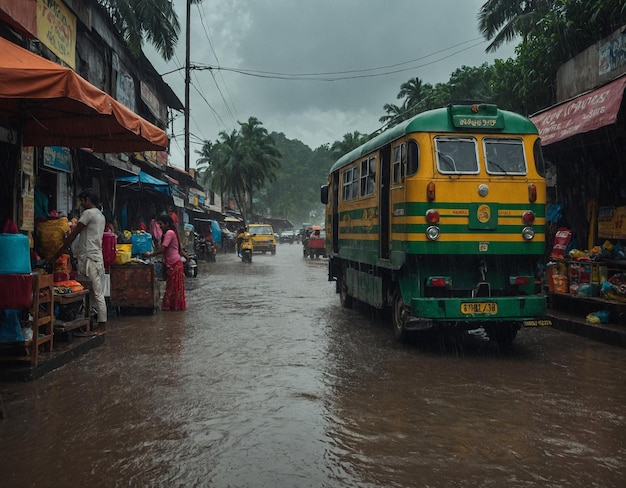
51,105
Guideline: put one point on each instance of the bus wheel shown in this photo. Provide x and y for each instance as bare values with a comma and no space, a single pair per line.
399,314
344,297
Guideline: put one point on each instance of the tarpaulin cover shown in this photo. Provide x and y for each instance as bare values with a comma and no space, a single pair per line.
147,180
585,113
52,105
17,291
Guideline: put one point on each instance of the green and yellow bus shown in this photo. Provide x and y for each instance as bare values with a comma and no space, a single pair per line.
442,219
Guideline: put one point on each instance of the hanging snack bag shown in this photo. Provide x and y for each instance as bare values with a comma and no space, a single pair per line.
561,240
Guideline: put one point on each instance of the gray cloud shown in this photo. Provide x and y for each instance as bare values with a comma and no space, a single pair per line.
315,36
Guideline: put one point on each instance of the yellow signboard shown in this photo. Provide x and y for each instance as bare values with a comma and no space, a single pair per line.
606,224
56,28
27,221
619,221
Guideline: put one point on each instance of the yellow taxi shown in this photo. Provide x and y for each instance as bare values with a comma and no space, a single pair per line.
263,239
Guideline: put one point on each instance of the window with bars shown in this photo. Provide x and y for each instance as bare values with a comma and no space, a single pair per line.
368,176
350,189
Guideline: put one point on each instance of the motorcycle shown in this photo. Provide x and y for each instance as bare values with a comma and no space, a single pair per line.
245,248
205,249
190,266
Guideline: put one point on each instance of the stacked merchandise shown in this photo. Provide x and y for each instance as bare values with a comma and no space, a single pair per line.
16,283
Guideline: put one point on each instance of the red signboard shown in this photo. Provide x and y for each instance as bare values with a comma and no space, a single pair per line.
584,113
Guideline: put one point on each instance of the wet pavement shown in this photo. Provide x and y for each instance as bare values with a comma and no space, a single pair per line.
265,381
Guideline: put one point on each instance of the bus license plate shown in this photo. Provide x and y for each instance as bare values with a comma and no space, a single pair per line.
489,308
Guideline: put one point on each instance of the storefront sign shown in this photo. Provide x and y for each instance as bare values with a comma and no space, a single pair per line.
619,219
150,99
57,157
28,214
605,222
28,160
178,202
56,28
8,135
113,160
64,196
584,113
612,55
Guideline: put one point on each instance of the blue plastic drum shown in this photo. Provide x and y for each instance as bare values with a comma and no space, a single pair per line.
14,254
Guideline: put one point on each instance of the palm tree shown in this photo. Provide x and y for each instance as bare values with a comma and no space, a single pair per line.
501,21
350,141
261,157
153,20
240,163
411,91
395,114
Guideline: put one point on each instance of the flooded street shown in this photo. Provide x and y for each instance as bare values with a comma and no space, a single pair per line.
265,381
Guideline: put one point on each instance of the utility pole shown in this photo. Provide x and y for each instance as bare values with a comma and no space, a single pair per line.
187,82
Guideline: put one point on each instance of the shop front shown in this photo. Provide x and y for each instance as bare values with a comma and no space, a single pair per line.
583,142
52,121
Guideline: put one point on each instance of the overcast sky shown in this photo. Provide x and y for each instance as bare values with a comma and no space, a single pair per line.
374,45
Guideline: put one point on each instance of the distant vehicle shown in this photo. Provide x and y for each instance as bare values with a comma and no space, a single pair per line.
263,239
287,236
314,245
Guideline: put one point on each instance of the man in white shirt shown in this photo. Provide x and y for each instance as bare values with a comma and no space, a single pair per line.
89,230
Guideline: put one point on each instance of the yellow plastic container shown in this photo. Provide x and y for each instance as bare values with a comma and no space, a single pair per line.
124,247
122,257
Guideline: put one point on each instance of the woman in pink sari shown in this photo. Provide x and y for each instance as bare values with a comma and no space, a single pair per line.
174,296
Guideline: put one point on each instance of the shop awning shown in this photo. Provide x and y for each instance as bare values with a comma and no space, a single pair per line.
53,106
585,113
144,179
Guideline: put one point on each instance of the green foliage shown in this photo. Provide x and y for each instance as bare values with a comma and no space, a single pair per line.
551,32
240,163
350,141
296,190
153,20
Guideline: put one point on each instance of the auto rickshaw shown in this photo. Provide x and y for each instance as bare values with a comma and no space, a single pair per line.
314,244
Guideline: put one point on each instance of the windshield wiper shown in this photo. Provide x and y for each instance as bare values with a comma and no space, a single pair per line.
449,160
497,165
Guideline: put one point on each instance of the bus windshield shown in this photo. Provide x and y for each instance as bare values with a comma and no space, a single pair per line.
504,156
456,155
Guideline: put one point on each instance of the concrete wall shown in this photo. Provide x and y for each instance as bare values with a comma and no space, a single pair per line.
597,65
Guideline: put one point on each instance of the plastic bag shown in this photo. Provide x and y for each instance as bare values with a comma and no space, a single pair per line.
561,241
50,235
600,317
10,327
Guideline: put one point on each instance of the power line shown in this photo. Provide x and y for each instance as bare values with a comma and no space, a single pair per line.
208,36
324,75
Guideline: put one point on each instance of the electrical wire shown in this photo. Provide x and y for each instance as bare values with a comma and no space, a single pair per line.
323,76
207,34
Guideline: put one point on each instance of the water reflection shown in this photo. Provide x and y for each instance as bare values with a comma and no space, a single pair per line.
476,418
266,381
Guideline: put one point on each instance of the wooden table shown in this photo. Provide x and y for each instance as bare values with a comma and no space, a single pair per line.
135,286
83,321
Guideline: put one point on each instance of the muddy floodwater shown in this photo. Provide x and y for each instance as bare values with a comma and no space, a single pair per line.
265,381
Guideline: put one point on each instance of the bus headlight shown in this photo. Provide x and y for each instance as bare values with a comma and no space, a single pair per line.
432,232
528,233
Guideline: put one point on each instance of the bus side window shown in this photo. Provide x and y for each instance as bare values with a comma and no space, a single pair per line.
368,176
399,162
412,163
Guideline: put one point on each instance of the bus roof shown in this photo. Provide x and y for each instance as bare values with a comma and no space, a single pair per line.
484,118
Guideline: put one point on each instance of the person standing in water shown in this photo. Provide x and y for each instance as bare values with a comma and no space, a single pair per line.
89,230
